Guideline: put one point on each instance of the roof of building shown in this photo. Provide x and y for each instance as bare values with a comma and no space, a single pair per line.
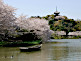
59,17
56,12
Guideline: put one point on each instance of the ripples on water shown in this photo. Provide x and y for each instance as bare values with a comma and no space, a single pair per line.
56,50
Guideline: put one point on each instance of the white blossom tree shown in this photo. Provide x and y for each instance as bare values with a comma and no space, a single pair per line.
39,26
8,20
7,17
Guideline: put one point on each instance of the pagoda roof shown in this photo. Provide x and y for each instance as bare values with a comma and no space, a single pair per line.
59,17
56,12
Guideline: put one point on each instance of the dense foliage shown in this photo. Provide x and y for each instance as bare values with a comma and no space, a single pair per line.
7,19
7,16
38,26
67,25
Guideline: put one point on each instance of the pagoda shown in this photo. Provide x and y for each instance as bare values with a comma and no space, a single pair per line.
56,13
57,16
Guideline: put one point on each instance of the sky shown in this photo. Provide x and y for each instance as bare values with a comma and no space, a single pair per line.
69,8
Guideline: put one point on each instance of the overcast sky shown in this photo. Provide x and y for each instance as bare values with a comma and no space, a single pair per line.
69,8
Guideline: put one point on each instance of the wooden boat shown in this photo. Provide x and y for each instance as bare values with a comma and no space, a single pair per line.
31,48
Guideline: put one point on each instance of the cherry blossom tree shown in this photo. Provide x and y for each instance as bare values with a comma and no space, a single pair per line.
8,21
7,17
39,26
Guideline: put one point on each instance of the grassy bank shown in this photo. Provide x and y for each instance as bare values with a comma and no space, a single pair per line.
19,44
65,37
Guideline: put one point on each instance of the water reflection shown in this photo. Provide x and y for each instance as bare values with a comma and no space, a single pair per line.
62,50
70,51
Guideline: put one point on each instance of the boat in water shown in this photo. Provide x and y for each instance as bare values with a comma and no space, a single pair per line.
31,48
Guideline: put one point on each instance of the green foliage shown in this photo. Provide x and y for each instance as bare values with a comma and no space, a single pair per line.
54,36
51,22
67,25
18,44
78,26
35,17
51,27
48,17
65,17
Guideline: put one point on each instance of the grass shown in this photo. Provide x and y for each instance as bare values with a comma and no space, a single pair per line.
19,44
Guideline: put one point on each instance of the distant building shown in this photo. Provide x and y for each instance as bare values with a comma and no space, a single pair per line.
57,16
56,13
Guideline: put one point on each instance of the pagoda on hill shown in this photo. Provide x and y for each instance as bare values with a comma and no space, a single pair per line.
57,16
56,13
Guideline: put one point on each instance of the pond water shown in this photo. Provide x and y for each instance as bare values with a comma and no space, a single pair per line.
56,50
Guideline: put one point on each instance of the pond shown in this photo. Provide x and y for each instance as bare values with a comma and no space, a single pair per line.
56,50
